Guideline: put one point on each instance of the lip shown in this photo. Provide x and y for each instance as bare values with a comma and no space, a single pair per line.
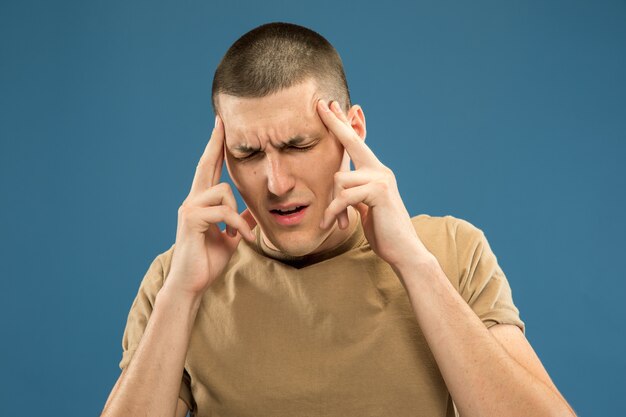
290,219
287,206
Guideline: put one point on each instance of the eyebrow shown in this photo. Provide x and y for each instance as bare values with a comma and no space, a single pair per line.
296,140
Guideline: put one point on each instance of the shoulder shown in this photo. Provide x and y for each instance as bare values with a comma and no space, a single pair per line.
446,227
452,240
157,271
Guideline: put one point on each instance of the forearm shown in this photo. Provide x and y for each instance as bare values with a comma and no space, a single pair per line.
150,384
480,375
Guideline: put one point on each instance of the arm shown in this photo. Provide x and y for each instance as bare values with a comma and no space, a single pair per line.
150,384
483,377
513,340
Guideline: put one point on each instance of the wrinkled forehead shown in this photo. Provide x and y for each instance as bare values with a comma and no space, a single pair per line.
276,118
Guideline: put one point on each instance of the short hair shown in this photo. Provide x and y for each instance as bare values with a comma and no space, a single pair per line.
278,55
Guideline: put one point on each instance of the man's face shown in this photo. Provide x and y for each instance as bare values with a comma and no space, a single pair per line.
276,173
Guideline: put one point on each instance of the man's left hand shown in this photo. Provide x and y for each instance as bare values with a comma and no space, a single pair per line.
371,189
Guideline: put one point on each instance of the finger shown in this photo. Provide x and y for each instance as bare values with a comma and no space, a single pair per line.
336,109
209,167
342,218
348,197
242,227
345,180
216,214
249,218
359,152
217,174
220,194
217,195
349,179
251,223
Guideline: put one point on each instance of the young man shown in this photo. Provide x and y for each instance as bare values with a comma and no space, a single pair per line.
323,297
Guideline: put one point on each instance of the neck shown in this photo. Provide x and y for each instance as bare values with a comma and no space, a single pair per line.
334,239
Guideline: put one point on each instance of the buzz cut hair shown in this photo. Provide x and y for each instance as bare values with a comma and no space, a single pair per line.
276,56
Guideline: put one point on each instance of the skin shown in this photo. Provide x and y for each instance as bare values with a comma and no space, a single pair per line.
276,175
491,372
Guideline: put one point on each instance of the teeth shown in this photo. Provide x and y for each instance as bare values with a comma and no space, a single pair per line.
287,210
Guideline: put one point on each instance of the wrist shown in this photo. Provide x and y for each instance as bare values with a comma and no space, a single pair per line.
417,267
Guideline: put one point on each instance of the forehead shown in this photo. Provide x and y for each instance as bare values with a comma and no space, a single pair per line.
275,118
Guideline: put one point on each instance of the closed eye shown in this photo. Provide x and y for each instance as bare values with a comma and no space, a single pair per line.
302,148
245,157
295,148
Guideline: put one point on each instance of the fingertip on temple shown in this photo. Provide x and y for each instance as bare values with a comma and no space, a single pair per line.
324,105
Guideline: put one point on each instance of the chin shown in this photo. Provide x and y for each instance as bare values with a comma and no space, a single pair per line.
297,244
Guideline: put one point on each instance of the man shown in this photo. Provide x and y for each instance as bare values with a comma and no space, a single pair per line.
336,302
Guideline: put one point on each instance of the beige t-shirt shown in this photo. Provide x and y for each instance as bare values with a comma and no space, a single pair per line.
328,335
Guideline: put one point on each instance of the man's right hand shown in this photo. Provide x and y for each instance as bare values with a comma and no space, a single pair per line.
202,251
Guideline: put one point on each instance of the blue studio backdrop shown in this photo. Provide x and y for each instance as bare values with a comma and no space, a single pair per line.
511,115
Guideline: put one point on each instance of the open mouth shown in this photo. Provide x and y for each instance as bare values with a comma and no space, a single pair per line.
288,212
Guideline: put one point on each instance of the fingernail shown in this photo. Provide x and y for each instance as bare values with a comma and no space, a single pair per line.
215,121
336,107
325,105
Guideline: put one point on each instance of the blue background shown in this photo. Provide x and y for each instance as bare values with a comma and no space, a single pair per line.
511,115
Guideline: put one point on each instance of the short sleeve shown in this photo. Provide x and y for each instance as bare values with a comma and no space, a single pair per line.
140,312
482,283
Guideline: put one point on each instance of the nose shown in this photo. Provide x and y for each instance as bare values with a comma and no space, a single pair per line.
279,178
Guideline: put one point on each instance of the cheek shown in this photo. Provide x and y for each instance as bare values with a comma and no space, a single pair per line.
325,167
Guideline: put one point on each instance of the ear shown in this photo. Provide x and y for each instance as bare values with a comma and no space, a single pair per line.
356,118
